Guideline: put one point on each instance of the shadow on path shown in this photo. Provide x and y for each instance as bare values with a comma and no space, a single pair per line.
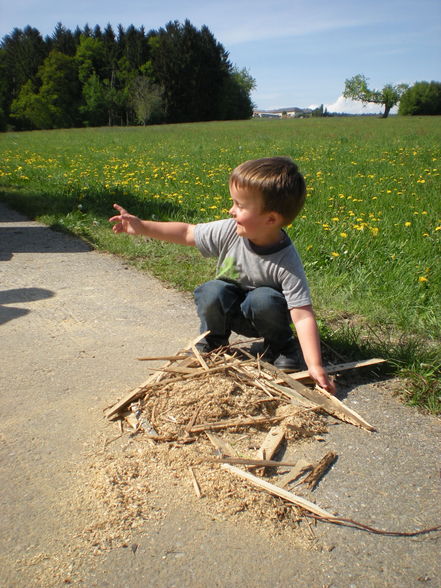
36,239
18,234
19,295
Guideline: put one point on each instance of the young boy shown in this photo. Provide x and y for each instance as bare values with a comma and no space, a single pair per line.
260,286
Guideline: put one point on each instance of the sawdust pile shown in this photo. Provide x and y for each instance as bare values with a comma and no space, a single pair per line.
136,478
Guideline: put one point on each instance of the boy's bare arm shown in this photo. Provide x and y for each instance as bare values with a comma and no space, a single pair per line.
175,232
309,339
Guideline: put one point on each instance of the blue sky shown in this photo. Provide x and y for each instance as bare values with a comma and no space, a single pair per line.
299,51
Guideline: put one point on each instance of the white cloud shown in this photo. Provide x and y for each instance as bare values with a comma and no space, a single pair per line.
352,107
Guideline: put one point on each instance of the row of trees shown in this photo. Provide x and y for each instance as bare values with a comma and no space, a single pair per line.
94,77
420,99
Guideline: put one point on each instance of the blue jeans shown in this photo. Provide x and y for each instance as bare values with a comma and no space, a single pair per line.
224,307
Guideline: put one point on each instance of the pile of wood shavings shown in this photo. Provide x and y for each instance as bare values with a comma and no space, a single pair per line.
213,399
167,452
135,479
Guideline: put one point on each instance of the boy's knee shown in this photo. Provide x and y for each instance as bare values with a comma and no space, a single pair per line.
214,292
263,300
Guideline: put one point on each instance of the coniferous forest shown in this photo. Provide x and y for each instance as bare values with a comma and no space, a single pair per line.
95,77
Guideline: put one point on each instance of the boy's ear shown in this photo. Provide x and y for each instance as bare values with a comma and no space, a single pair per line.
275,218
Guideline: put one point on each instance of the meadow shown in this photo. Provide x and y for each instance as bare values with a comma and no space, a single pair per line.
369,234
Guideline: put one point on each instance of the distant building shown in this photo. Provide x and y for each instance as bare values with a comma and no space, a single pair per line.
293,112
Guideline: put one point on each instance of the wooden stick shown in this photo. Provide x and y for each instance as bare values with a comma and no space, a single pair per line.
128,398
163,358
272,489
199,357
270,463
195,341
192,421
194,371
341,367
235,423
109,441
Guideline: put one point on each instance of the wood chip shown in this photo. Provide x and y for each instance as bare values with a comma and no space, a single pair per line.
196,486
271,443
223,447
269,446
317,472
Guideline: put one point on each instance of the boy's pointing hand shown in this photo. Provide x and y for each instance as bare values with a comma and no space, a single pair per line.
125,222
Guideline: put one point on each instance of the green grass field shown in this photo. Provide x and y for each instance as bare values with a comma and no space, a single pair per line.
369,235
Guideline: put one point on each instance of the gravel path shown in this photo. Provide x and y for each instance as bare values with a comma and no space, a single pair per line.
72,323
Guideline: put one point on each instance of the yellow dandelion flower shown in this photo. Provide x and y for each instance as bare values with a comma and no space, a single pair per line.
422,279
335,254
343,235
407,224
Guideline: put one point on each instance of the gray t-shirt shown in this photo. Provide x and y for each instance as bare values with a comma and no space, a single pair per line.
244,263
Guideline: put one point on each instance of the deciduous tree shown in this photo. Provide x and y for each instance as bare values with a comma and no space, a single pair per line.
55,102
421,98
146,100
356,88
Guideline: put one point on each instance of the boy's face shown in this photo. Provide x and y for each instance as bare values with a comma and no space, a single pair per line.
251,221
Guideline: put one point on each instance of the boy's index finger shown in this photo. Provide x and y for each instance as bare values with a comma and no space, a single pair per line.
120,209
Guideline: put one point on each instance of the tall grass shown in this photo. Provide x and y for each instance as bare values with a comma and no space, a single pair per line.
369,234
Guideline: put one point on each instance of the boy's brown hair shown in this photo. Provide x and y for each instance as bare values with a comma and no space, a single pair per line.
279,181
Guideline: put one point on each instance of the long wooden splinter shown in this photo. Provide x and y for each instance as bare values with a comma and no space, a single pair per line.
272,489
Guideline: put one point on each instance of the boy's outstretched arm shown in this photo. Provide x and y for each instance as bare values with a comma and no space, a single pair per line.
175,232
309,339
